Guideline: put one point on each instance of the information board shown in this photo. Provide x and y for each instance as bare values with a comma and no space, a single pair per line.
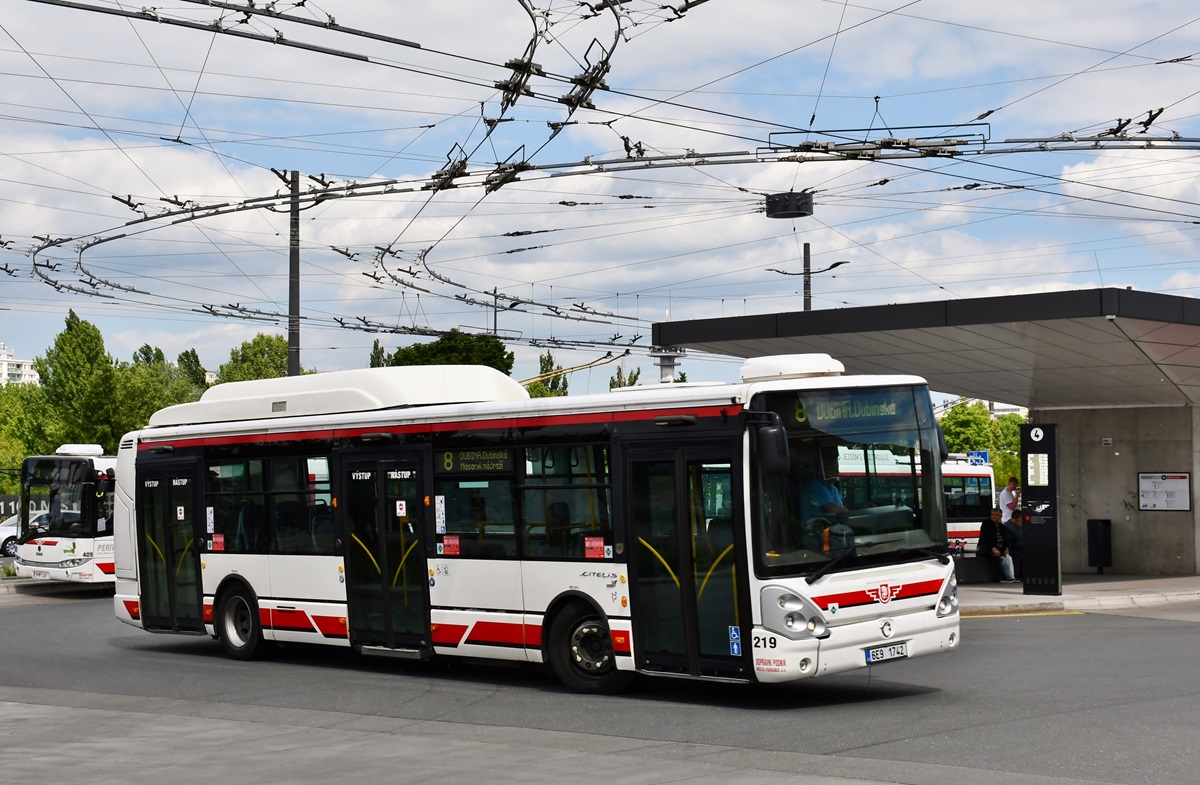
1165,491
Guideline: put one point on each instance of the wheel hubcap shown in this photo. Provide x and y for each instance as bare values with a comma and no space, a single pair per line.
591,647
237,622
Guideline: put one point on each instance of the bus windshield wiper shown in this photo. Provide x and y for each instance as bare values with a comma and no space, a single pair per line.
829,566
944,558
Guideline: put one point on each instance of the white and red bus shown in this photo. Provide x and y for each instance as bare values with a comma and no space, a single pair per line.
65,529
968,490
422,511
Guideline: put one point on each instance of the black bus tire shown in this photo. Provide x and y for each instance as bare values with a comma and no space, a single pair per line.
238,624
581,652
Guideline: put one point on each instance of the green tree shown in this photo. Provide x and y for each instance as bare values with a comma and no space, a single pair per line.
548,386
189,363
968,426
379,357
681,378
148,355
1006,460
262,357
78,378
620,379
453,348
144,387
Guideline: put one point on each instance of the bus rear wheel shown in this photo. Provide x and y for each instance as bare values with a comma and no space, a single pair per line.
238,624
581,652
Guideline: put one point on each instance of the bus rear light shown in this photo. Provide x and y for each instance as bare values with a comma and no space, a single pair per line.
135,612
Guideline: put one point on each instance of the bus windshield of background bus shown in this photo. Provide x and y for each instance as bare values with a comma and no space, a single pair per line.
53,492
864,475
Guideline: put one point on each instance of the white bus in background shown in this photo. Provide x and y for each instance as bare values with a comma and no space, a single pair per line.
970,496
969,490
66,516
438,511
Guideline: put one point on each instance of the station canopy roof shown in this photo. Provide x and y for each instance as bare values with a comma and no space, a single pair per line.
1095,347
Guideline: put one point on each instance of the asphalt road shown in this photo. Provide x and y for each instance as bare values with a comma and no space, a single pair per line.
1033,699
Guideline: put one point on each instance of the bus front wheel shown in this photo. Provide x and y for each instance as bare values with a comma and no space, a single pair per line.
239,626
581,651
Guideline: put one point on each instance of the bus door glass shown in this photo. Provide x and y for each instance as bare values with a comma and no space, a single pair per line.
688,611
168,548
384,514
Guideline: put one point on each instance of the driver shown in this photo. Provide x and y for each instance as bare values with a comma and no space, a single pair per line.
822,497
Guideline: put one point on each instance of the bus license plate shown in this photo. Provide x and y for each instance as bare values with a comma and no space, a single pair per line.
41,575
893,651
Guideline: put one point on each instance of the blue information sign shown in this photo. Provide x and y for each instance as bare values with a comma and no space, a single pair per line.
977,457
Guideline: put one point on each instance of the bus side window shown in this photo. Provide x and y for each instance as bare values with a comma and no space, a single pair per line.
480,513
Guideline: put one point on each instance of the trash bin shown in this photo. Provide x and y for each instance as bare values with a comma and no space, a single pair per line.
1099,533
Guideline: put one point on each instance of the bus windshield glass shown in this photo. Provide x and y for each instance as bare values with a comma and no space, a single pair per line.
863,485
54,495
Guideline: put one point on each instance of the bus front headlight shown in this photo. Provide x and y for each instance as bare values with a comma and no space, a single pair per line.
948,602
791,615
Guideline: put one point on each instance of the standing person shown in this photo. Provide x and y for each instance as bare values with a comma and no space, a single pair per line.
994,545
1010,499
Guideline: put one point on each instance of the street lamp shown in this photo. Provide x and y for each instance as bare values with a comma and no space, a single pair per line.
808,274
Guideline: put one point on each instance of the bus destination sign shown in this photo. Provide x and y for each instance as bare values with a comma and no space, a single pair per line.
474,461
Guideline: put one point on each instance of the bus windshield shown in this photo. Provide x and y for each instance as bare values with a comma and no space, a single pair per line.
54,496
863,485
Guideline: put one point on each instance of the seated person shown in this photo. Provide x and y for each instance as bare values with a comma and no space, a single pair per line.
994,544
822,498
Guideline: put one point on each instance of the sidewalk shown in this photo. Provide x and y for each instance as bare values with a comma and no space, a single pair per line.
1079,593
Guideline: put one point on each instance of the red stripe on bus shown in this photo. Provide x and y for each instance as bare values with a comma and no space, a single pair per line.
634,415
44,542
134,610
291,620
106,567
332,626
499,633
864,597
448,634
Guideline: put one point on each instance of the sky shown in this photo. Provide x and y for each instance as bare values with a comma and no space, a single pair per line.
565,175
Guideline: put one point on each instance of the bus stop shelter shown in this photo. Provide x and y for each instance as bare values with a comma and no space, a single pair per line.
1117,370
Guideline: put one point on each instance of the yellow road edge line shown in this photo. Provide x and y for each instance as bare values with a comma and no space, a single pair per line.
997,614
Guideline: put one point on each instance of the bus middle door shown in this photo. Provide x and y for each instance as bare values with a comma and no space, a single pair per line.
384,518
688,608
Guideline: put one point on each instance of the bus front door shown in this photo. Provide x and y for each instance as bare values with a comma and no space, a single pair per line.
169,548
384,515
688,609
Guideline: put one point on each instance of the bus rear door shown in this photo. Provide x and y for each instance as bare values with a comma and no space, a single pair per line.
385,529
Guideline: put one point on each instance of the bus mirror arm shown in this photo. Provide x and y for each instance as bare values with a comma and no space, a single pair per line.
943,450
771,443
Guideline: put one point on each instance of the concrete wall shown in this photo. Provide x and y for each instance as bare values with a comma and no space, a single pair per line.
1099,481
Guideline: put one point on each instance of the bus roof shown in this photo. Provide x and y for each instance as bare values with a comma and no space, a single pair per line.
362,389
479,391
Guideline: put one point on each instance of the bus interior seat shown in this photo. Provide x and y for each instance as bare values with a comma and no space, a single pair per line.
250,536
321,531
291,530
720,533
